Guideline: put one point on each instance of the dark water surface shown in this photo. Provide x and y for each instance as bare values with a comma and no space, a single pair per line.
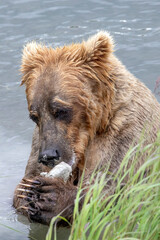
135,26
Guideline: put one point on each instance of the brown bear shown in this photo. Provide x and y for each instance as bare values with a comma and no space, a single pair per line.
88,109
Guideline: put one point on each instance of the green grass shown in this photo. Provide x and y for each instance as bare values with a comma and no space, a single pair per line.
132,212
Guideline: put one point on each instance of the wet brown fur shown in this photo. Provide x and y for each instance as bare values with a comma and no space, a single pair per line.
110,108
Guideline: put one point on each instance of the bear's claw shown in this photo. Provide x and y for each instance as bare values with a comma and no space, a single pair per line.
41,198
32,181
25,190
24,197
30,210
27,185
23,207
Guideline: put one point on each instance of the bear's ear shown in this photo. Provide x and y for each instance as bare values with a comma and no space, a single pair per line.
98,47
32,58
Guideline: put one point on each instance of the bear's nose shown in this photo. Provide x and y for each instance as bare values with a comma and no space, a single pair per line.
48,157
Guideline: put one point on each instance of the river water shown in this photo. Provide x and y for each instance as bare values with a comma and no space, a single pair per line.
135,26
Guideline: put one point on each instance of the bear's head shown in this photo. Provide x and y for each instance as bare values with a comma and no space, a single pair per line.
69,92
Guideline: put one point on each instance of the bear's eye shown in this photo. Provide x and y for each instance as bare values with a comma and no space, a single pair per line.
34,117
63,114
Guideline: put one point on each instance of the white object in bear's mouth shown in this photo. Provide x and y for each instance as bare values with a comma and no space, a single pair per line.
62,170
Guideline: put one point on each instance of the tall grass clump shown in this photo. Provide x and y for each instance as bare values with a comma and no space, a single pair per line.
132,211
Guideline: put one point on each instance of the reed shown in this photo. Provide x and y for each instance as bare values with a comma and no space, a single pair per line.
132,212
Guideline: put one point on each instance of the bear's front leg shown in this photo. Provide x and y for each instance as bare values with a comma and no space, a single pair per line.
44,198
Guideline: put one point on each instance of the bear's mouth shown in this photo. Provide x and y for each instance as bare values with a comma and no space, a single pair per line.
49,161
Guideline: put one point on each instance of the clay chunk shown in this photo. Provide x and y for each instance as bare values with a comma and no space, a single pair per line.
62,170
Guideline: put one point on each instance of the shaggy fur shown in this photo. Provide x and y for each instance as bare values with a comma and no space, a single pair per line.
87,105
